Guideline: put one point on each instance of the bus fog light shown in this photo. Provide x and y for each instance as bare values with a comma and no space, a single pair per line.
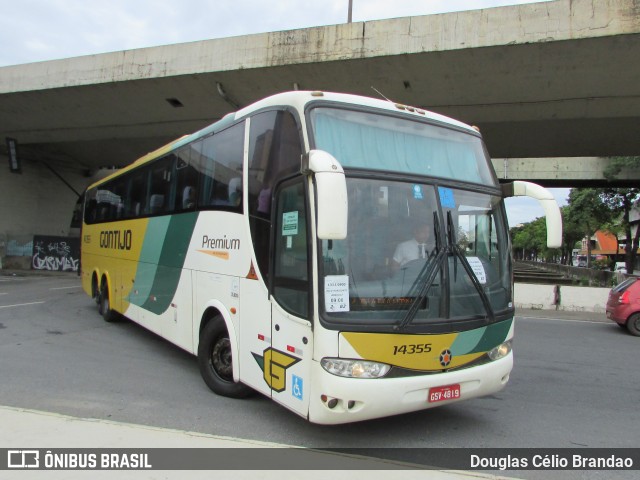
354,368
500,351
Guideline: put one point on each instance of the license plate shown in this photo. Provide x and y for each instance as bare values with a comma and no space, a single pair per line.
441,394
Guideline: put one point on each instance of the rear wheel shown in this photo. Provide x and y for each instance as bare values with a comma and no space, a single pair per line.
95,290
216,362
104,305
633,324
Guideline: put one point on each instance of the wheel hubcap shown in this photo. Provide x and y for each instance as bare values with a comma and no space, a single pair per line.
221,359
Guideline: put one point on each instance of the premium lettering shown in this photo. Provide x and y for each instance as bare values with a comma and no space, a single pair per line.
223,243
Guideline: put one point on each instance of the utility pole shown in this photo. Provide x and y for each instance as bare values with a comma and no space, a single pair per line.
350,11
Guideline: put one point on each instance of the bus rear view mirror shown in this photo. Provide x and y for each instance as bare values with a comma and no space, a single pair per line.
548,202
331,194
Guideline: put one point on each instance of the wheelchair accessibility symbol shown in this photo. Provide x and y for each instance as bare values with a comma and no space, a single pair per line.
296,387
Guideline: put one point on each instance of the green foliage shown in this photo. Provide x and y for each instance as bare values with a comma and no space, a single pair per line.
620,202
530,240
571,232
601,264
617,164
589,210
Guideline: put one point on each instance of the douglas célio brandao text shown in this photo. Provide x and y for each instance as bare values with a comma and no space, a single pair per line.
551,462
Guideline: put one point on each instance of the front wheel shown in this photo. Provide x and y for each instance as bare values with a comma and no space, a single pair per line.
633,324
216,362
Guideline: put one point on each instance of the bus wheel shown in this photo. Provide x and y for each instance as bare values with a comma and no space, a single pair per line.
104,305
95,291
214,359
633,324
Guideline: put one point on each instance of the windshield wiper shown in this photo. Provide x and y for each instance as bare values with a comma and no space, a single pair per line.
428,273
425,278
457,251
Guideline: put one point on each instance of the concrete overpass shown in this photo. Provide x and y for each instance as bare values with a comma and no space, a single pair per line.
543,80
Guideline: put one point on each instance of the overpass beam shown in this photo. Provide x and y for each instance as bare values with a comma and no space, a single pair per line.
563,171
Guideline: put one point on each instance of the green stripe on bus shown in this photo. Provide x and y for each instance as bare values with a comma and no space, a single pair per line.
466,342
149,258
493,336
170,262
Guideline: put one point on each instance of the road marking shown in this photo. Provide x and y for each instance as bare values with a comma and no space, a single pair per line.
561,319
20,305
62,288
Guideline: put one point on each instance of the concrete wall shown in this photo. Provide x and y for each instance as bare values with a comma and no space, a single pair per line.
569,170
35,202
522,24
576,299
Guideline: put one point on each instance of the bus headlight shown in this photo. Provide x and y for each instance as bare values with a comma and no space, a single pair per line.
500,351
354,368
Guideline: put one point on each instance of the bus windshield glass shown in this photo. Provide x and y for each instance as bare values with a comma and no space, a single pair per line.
402,253
382,142
419,251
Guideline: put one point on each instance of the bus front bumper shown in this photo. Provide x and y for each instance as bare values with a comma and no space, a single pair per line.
336,400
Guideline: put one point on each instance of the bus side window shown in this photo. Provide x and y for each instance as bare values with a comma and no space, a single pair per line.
186,182
109,199
275,148
291,276
119,189
220,168
136,203
160,191
90,206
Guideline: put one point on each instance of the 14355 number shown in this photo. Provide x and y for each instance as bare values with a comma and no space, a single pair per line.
411,349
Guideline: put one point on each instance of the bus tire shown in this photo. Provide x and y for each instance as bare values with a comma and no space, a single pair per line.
104,305
215,361
633,324
94,289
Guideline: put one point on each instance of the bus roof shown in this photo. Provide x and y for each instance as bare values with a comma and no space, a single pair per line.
299,100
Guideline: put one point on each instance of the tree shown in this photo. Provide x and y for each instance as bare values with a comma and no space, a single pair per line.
530,240
572,233
588,212
621,201
617,164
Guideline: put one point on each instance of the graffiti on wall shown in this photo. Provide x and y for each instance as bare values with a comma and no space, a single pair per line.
55,253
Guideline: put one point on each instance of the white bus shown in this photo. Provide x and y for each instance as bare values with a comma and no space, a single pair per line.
346,256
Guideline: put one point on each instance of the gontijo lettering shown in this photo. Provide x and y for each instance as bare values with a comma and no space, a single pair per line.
116,239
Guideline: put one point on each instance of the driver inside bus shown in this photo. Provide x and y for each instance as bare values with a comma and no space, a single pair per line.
414,249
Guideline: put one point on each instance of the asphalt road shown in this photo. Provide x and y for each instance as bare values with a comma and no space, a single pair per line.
576,383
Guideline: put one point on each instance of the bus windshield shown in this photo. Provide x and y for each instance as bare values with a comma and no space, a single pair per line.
381,142
401,250
418,252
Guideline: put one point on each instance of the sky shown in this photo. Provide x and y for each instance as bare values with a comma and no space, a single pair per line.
39,30
524,209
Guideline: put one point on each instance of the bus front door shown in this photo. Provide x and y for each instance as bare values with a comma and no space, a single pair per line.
289,365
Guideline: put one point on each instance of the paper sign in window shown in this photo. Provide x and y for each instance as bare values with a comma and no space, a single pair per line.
289,223
478,269
336,293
